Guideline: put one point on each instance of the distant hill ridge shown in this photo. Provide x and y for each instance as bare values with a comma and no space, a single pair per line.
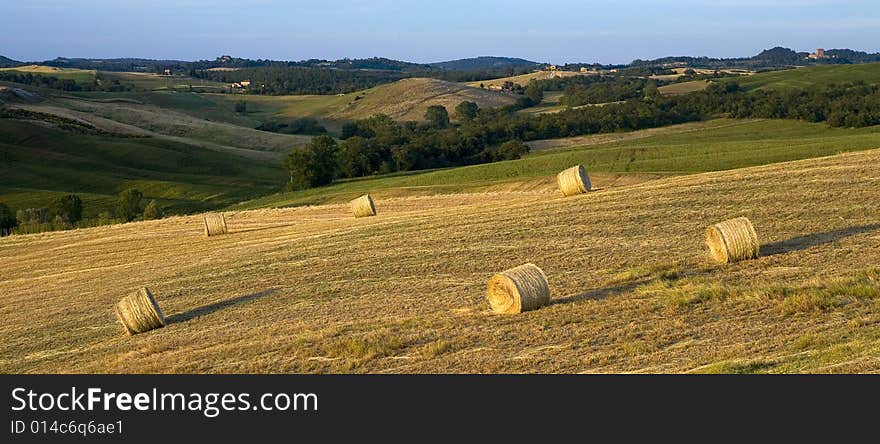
769,58
6,62
484,63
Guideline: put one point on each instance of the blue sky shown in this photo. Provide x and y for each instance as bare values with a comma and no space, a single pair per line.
546,31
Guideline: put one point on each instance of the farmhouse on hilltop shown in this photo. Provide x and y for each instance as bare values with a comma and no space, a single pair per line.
819,54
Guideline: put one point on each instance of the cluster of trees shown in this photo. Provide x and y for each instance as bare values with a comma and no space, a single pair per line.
129,206
67,211
379,145
582,90
39,80
854,104
604,92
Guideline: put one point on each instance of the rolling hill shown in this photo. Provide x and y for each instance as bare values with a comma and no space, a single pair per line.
41,160
315,290
408,99
97,147
522,79
405,99
195,152
6,62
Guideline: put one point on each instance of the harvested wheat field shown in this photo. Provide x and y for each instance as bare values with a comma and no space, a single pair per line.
632,288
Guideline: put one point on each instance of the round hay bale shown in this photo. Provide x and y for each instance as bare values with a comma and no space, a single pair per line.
138,312
363,206
215,224
519,289
573,181
732,240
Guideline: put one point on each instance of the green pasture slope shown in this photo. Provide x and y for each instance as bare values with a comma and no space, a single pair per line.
221,107
38,163
749,143
812,76
149,81
77,75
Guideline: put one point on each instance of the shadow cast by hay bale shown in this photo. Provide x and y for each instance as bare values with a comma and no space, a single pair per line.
217,306
629,286
266,228
601,293
811,240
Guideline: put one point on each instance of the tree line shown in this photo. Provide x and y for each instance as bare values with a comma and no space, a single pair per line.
283,80
66,212
380,145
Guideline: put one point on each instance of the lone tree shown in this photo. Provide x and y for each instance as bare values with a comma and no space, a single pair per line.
129,204
466,111
7,220
241,107
437,116
312,165
69,208
153,211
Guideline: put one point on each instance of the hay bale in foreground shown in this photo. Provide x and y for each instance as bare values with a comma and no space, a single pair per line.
138,312
732,240
215,224
363,206
519,289
573,181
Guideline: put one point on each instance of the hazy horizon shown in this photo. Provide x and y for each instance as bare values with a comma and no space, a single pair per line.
560,32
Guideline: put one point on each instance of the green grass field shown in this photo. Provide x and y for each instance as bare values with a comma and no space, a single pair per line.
38,163
214,107
717,148
812,76
79,75
150,81
675,89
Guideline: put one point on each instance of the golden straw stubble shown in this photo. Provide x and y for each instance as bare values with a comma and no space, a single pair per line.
733,240
138,312
518,289
215,224
573,181
363,206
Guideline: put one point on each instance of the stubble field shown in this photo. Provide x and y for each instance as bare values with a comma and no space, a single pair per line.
314,290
